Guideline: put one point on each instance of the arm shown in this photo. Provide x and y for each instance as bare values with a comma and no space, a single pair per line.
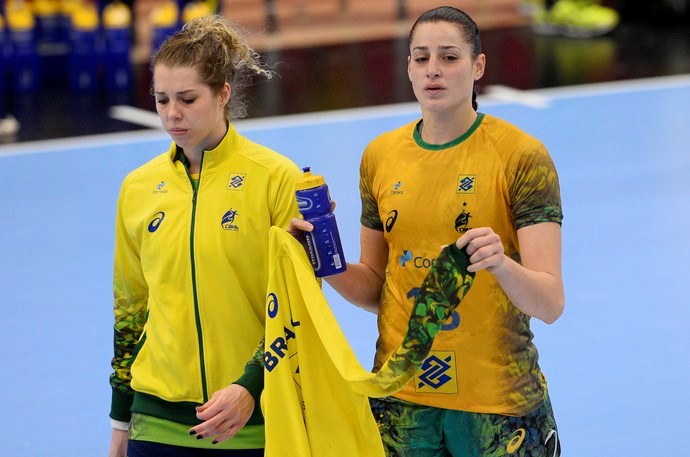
118,443
130,293
536,286
361,283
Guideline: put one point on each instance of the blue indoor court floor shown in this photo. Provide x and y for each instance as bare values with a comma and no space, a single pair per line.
617,361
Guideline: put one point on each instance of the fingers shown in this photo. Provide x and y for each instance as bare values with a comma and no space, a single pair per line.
298,225
484,247
229,433
224,414
473,238
217,430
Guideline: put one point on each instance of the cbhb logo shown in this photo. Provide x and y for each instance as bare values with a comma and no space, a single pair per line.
228,220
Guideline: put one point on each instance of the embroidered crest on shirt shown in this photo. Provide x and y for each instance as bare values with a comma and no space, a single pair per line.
228,221
236,181
466,184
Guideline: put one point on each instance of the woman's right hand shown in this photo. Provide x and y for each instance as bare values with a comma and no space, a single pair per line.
297,226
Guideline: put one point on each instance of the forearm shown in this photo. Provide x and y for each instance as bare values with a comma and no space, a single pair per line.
360,285
118,443
535,293
253,377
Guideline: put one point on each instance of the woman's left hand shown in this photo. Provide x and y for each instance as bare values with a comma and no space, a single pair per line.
224,414
485,249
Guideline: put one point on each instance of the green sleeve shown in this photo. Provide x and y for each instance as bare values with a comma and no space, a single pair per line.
253,377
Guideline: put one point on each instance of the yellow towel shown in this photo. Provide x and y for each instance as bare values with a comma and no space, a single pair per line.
315,398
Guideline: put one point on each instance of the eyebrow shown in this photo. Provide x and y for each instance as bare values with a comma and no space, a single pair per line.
182,92
442,48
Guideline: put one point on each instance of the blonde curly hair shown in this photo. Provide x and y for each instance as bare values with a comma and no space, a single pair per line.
214,46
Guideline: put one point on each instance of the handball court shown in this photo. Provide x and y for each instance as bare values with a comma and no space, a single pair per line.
617,362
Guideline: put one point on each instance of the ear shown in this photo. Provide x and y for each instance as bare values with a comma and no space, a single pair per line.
479,66
409,59
225,94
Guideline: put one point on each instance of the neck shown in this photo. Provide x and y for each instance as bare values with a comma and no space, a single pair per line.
440,129
194,155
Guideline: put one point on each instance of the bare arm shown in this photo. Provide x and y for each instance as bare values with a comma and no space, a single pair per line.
118,443
536,286
361,283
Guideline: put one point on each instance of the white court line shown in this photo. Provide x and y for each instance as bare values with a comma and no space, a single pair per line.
533,97
519,97
82,142
137,116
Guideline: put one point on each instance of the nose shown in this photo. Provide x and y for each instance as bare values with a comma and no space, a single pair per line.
173,110
432,70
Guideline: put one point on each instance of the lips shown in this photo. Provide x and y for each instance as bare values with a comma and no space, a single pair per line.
433,88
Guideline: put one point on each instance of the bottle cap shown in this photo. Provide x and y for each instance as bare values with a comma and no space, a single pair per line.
165,14
85,18
194,10
117,15
19,16
309,180
45,8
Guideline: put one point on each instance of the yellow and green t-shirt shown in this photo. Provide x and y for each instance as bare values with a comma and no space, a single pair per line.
424,196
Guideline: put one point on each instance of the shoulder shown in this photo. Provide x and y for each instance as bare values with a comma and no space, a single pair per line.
267,159
505,133
152,166
391,140
510,143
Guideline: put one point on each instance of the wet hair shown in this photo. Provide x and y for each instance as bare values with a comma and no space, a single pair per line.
465,24
213,46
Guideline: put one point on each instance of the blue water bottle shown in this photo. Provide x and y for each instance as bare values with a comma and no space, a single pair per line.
323,243
117,22
4,65
24,64
165,20
83,58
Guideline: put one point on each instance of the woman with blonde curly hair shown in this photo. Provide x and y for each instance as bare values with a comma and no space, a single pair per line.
190,267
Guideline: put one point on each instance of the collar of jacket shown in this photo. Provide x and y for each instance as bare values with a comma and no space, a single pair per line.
213,158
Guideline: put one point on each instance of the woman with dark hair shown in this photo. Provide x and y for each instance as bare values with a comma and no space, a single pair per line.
460,176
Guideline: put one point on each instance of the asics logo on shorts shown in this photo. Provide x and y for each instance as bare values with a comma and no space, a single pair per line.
516,441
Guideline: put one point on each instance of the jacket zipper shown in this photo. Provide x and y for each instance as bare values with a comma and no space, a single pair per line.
197,316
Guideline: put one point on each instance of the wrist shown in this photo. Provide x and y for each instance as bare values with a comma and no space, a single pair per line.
119,425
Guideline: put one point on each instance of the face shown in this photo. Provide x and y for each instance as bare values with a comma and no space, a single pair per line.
441,67
190,112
